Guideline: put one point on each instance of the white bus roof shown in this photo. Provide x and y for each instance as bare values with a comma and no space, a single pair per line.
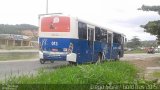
61,14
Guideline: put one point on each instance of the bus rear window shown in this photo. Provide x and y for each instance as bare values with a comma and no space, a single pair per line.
55,24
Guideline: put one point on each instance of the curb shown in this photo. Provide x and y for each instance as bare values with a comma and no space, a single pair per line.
25,60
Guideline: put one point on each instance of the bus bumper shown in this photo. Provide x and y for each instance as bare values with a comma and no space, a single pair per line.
58,56
52,56
55,57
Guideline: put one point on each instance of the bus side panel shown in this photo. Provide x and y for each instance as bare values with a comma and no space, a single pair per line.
109,50
115,50
82,51
85,53
105,50
98,48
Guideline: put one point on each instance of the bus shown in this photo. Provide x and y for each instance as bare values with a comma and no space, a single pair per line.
66,38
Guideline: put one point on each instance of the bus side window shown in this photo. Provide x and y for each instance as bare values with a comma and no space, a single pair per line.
117,38
109,38
120,39
104,35
82,30
98,34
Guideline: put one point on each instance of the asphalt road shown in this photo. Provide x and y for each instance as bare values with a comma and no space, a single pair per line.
18,51
25,67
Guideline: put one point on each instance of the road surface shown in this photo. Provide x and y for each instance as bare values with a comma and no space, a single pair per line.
25,67
142,56
18,51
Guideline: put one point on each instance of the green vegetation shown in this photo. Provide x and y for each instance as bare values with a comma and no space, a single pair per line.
149,43
156,74
134,43
16,29
108,72
136,51
152,27
17,56
114,75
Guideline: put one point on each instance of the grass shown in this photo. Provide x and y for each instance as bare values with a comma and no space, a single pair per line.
156,74
17,56
82,77
108,72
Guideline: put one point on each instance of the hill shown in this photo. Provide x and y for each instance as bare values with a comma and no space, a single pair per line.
17,29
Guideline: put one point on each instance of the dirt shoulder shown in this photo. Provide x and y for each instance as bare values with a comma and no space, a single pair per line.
148,64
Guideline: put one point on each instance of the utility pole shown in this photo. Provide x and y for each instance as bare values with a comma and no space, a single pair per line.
47,7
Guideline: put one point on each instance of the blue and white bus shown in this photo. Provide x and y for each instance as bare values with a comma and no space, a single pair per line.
66,38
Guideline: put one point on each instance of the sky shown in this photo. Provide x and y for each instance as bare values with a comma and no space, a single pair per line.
119,15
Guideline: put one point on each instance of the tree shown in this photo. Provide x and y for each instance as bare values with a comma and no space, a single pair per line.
150,8
150,43
152,27
134,43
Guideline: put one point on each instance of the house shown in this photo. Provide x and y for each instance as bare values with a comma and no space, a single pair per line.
14,40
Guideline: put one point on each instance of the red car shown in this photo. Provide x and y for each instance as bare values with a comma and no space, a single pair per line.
151,50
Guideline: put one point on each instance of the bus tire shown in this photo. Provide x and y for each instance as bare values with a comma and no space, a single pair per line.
117,58
42,61
52,61
99,60
72,63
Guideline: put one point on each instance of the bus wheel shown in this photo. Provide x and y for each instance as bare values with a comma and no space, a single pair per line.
42,61
72,63
117,58
99,58
52,61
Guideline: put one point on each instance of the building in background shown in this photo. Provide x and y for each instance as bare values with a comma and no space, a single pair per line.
14,40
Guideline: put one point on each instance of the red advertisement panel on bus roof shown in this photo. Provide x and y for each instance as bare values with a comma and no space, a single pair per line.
55,24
